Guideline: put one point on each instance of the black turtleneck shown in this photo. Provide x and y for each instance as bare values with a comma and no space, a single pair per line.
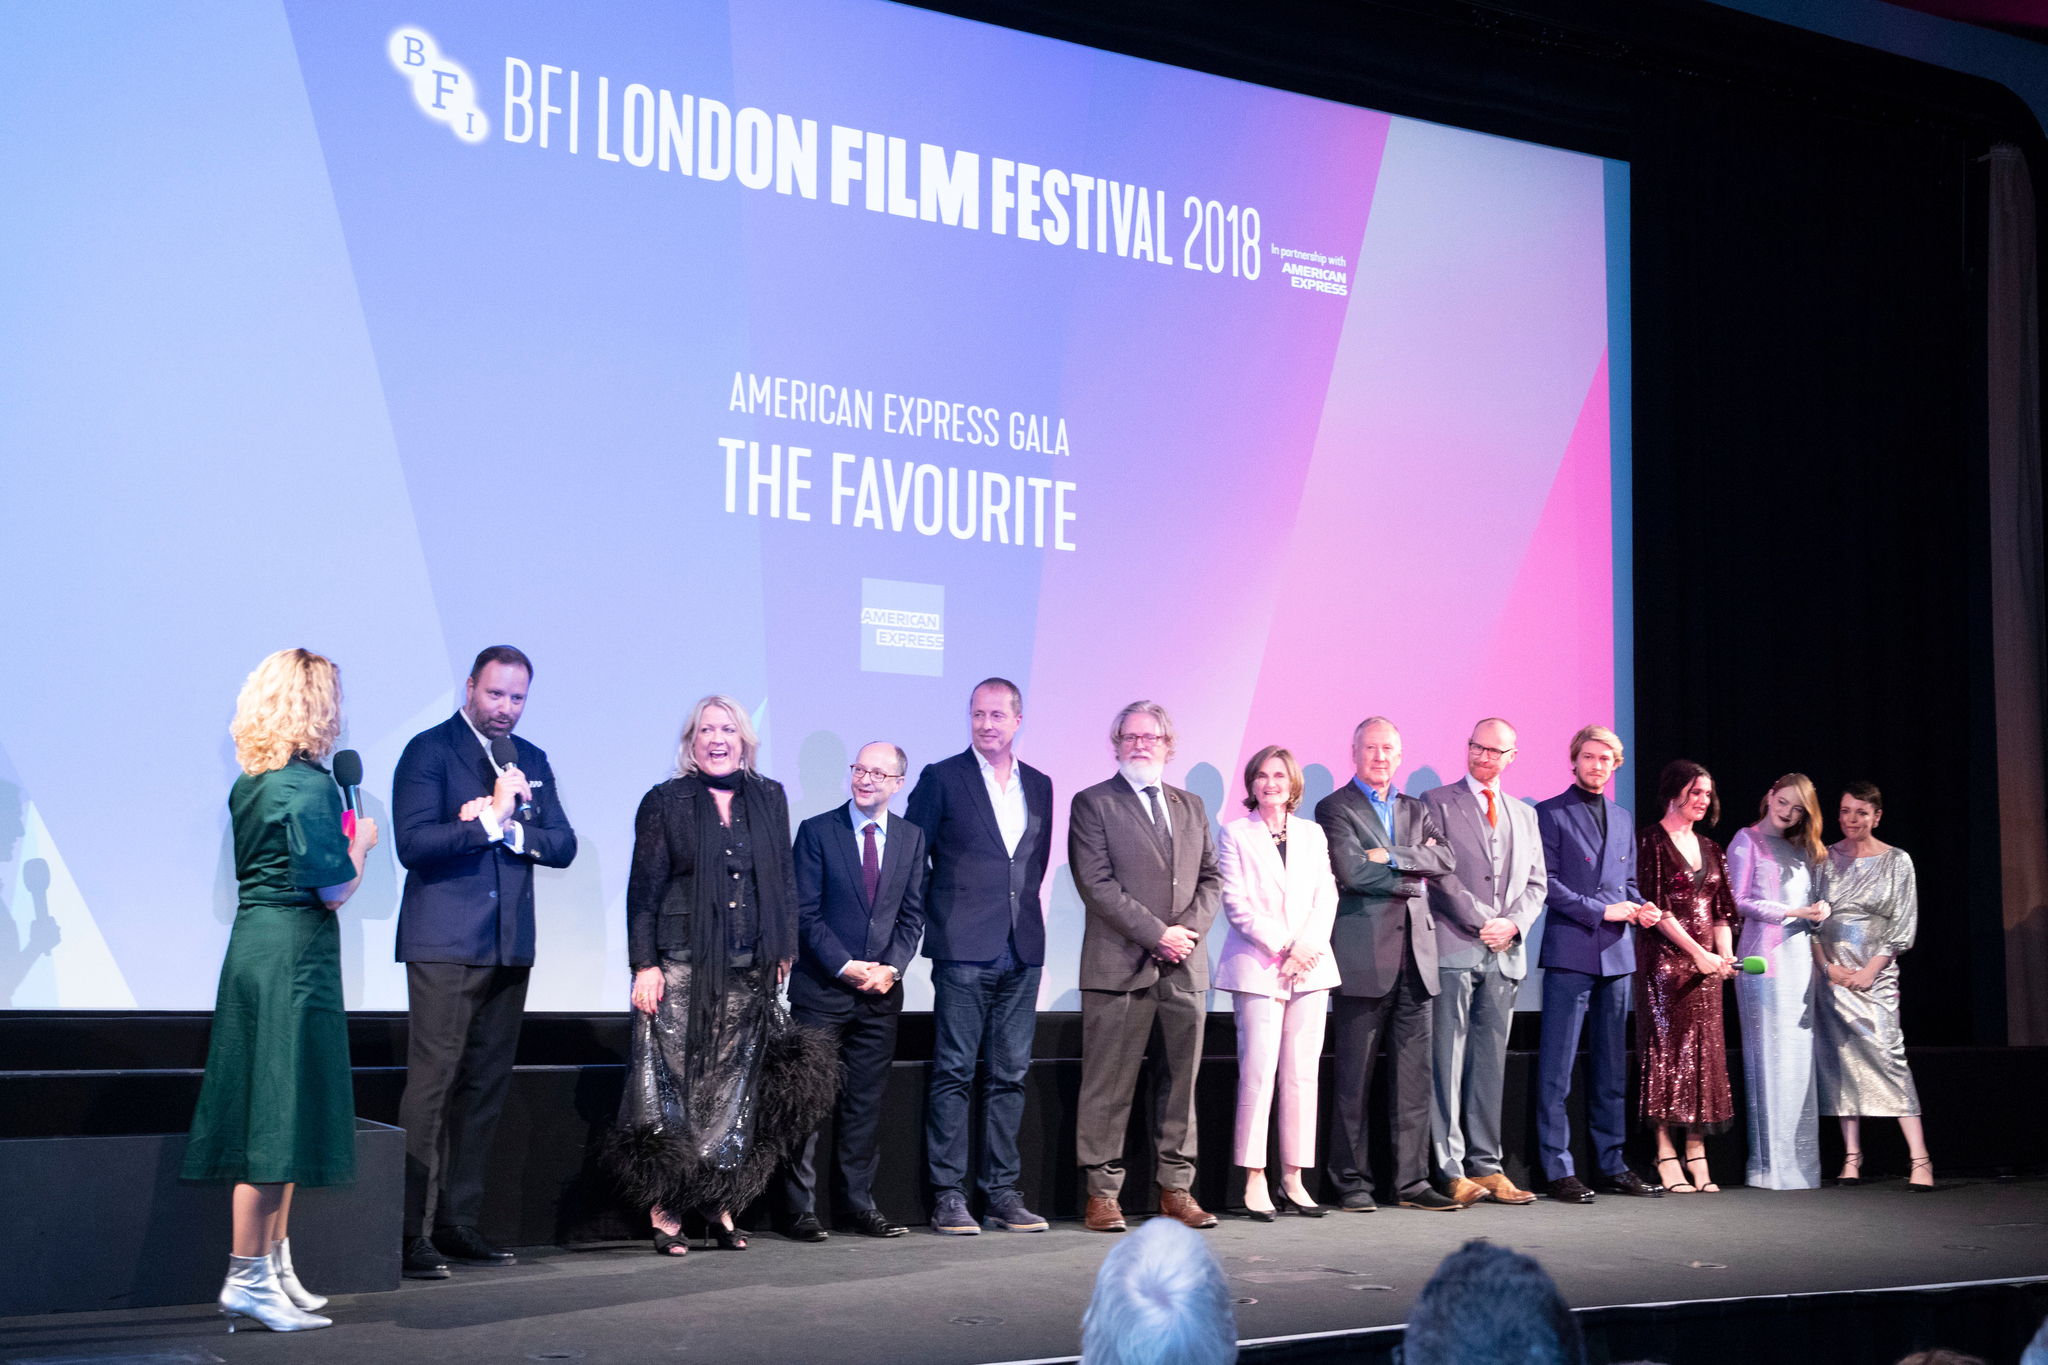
1598,803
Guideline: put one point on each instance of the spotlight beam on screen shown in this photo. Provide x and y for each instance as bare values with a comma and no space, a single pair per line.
829,355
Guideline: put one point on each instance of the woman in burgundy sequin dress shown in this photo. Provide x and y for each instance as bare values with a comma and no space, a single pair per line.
1682,966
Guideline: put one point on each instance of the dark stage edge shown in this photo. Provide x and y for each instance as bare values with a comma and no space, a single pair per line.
1017,1297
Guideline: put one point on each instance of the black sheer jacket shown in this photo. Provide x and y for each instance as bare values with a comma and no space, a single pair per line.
661,887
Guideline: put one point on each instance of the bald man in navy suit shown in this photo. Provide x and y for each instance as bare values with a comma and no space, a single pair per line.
860,913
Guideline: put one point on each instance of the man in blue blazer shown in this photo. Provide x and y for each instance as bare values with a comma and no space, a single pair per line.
470,830
1589,962
860,911
987,822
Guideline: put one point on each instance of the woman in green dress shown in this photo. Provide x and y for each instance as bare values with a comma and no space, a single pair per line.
276,1108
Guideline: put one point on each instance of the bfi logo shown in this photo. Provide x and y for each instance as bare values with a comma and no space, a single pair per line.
440,86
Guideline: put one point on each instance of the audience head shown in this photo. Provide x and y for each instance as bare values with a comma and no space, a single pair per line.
1487,1303
1490,750
498,683
1160,1299
1272,771
1686,789
1861,809
290,705
718,738
1596,753
1376,751
1943,1356
1791,810
995,708
1142,735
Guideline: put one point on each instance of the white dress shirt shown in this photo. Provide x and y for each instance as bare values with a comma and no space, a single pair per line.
1011,815
511,833
1148,802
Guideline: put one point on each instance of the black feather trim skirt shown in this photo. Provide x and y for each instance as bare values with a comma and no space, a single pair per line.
707,1127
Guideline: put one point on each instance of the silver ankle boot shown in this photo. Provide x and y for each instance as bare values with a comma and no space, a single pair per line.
288,1279
252,1291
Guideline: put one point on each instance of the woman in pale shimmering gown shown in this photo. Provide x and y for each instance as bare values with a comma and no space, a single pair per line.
1860,1055
1771,872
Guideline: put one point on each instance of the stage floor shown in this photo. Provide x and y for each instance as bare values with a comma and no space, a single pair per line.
1015,1297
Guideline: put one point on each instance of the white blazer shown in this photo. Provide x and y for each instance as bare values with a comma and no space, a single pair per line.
1273,905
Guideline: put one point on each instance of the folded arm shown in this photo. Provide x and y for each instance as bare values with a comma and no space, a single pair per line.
418,796
1356,874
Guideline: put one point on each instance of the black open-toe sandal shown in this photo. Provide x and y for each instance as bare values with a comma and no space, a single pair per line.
728,1239
1706,1186
1851,1160
665,1245
1675,1186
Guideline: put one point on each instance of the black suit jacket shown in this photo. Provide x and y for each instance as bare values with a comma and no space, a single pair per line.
834,919
1382,911
977,894
467,899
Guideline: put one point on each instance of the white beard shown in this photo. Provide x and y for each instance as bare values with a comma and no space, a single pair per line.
1144,773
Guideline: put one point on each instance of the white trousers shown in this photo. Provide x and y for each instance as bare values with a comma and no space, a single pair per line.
1278,1041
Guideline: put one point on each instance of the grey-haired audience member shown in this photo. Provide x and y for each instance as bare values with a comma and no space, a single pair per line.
1487,1303
1160,1299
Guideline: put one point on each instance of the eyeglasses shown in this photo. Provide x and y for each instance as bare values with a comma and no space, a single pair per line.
874,774
1485,752
1142,741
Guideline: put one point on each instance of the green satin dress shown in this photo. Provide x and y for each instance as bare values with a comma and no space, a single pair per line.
277,1103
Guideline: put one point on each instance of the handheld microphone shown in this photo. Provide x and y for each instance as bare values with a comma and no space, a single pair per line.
1755,966
505,755
348,775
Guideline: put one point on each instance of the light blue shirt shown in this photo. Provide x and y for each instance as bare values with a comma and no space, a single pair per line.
1384,808
861,822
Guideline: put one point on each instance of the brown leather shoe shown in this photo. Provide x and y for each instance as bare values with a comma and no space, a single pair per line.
1104,1214
1180,1204
1503,1190
1466,1192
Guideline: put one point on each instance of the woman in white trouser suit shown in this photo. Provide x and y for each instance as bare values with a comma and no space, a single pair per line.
1281,899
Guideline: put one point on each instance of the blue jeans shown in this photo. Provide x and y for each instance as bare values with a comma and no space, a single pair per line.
1572,1000
979,1008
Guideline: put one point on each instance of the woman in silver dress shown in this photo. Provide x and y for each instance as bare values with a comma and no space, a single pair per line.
1771,871
1861,1052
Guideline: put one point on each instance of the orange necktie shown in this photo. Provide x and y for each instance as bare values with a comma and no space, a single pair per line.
1492,820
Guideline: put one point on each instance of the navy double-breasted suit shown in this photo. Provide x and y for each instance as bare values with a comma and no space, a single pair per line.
1588,963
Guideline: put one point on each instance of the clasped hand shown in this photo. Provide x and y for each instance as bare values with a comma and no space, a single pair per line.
1714,965
873,977
1860,980
1176,943
1499,934
1645,915
1301,959
512,788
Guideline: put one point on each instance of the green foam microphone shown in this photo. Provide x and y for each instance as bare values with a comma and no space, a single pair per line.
1755,966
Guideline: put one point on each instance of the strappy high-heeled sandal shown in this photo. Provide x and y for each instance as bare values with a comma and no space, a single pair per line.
1849,1159
1675,1186
1916,1188
1706,1186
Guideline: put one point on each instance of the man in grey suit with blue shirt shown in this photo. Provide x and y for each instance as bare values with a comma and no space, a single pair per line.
1482,911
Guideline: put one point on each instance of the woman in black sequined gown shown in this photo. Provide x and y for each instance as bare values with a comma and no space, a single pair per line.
721,1085
1682,966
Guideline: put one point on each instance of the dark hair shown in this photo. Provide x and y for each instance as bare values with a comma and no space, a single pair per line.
1940,1355
1016,697
1867,793
1486,1302
1294,778
501,654
1681,773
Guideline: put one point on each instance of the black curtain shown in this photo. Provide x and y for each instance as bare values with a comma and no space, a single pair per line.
1812,573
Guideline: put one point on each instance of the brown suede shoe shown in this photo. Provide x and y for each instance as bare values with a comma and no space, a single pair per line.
1466,1192
1503,1190
1104,1214
1180,1204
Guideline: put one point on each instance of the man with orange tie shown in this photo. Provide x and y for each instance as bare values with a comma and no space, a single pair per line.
1482,912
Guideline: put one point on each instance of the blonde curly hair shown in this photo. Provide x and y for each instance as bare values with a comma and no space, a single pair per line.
291,704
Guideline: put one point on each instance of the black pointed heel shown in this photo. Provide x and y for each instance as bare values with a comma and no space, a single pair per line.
1851,1181
1259,1215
